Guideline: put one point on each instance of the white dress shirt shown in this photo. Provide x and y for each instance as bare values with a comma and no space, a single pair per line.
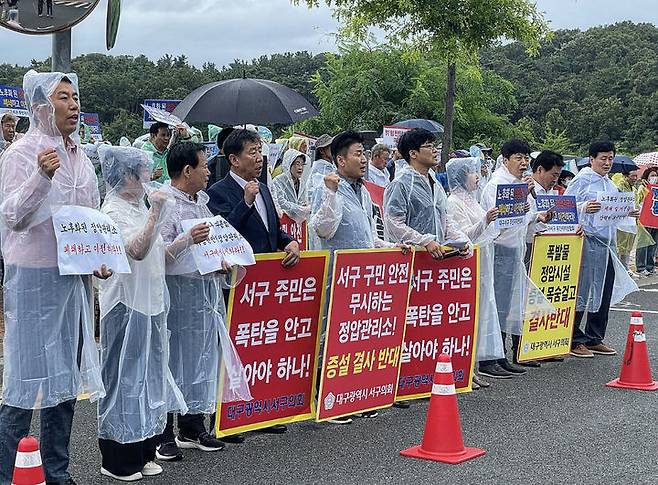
260,202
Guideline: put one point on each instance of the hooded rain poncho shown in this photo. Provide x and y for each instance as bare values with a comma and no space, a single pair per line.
49,350
465,212
287,199
140,388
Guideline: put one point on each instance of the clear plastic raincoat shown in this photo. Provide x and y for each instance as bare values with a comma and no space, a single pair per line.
378,176
465,212
599,245
199,341
315,182
139,387
49,350
344,219
415,215
511,282
288,199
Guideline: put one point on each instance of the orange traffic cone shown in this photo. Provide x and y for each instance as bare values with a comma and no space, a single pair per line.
28,469
442,440
635,369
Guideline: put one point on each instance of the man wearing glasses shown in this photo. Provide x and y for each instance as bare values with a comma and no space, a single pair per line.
415,202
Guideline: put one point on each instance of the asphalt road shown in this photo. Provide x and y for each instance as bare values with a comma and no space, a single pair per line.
558,424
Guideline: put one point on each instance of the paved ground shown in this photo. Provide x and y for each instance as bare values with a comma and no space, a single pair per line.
558,424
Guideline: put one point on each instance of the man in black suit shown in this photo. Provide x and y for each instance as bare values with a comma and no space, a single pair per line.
246,203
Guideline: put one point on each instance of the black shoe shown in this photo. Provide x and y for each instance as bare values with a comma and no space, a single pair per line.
234,439
513,368
401,404
495,371
530,363
168,452
203,442
276,429
367,414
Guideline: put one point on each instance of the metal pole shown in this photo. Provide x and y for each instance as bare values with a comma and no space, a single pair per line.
61,53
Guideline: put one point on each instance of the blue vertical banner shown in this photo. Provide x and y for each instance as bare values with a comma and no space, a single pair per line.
12,100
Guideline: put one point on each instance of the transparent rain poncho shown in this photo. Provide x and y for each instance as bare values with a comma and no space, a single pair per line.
415,215
465,212
288,199
515,294
319,169
139,386
49,351
599,246
199,341
344,219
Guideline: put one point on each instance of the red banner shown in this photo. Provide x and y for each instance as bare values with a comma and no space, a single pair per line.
376,194
441,317
649,213
365,331
273,318
297,231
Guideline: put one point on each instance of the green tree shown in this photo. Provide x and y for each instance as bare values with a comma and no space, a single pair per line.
454,29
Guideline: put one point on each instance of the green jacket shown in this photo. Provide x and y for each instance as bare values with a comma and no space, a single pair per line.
159,160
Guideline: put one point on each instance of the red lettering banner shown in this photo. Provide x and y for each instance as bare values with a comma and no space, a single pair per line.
273,318
298,231
441,317
649,212
365,331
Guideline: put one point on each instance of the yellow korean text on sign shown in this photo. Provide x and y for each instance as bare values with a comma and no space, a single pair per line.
555,270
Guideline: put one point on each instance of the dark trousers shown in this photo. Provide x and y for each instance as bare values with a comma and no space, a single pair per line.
126,459
54,439
189,425
645,257
597,322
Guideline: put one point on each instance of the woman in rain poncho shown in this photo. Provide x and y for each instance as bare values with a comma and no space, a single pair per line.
197,312
603,279
626,235
140,389
289,190
465,212
50,356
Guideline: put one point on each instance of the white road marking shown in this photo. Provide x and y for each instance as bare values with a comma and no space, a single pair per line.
626,310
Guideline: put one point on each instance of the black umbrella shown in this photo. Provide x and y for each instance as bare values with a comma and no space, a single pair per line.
241,101
429,125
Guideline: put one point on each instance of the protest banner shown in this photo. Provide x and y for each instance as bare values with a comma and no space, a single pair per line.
86,240
365,331
615,207
510,201
299,232
224,243
565,218
442,317
92,121
273,154
391,134
377,196
279,351
165,105
12,100
649,213
555,270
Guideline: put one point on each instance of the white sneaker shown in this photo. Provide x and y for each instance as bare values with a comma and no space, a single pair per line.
645,273
128,478
151,469
343,420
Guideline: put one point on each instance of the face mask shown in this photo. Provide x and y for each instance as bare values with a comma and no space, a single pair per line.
653,180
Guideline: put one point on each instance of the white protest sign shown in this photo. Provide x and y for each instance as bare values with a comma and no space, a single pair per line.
391,134
223,244
86,240
273,155
163,116
615,207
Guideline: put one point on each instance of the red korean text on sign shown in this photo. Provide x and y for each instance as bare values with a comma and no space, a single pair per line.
273,323
441,318
365,330
297,231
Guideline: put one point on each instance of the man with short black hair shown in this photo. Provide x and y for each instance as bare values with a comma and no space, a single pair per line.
196,305
603,279
415,202
7,130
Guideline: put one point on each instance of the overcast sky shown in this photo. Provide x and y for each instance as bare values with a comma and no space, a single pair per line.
220,31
